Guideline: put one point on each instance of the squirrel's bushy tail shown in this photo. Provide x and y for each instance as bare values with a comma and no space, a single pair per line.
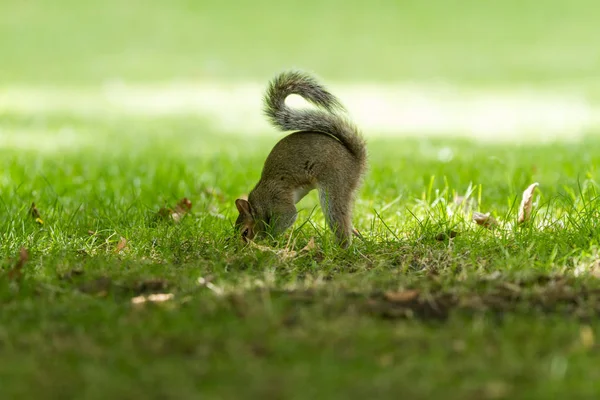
326,119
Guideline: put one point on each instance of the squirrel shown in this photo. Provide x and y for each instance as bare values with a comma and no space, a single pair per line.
327,153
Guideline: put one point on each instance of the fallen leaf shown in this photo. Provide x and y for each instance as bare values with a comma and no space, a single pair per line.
310,245
526,203
152,298
121,245
485,220
184,206
401,297
181,209
35,214
164,212
158,297
16,272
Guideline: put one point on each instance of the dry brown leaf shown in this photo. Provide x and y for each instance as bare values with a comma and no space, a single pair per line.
152,298
485,220
310,245
526,203
176,216
164,212
35,214
181,209
17,271
401,297
184,206
121,245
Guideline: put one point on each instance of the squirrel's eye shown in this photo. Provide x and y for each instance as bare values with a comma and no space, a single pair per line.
245,233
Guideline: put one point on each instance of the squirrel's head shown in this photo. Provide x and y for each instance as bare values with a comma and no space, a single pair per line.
247,222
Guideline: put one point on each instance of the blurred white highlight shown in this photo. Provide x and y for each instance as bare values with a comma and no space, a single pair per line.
378,109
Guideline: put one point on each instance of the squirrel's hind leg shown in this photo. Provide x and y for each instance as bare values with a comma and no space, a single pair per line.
337,204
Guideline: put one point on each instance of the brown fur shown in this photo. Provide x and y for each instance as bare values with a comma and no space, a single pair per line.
327,153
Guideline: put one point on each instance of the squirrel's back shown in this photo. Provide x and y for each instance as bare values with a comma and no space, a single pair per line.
324,119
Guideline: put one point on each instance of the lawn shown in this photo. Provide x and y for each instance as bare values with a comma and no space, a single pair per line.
103,294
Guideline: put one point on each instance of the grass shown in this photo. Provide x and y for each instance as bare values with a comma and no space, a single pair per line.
427,304
323,322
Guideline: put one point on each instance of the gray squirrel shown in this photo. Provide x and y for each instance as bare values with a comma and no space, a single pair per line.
327,153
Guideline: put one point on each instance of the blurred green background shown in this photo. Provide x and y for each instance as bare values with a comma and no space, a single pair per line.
470,41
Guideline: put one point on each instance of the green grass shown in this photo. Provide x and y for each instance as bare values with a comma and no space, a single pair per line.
488,314
315,324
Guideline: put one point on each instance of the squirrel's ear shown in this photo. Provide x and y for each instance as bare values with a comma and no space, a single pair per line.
243,207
